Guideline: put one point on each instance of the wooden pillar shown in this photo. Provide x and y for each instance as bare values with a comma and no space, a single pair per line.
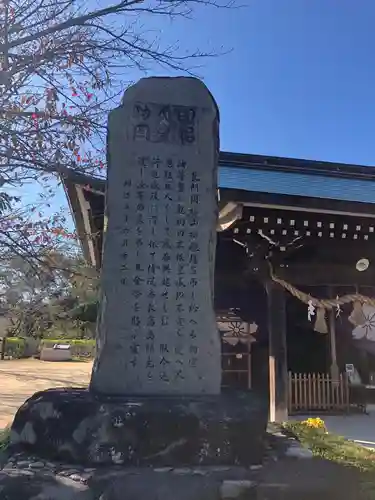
334,369
3,347
278,368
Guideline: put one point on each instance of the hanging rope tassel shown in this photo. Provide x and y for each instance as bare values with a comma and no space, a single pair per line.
357,318
320,323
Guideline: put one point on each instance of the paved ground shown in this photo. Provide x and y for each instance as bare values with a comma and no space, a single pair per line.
359,428
20,379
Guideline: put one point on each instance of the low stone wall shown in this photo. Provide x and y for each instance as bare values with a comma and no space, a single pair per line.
79,348
28,478
51,354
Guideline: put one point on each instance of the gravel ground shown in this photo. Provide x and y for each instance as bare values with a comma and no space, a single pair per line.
21,378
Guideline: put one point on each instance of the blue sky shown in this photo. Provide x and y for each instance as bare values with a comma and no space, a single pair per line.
299,80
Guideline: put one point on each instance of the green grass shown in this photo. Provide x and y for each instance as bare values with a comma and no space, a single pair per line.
340,451
81,359
4,438
332,447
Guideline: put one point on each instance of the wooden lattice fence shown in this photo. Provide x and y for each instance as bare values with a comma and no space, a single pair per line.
317,392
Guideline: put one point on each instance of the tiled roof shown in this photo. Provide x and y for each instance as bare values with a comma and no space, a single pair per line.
297,184
284,176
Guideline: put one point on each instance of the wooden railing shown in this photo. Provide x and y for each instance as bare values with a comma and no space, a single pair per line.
317,392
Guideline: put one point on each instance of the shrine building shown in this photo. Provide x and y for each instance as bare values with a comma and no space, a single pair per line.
295,275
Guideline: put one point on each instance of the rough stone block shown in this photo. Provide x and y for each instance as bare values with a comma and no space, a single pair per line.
74,425
26,485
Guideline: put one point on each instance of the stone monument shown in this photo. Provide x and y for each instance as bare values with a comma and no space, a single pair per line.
157,331
154,397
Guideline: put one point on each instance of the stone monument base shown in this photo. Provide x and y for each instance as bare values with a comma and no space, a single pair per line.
74,425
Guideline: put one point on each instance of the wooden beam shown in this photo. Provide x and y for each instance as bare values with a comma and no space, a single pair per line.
85,213
278,369
328,274
298,203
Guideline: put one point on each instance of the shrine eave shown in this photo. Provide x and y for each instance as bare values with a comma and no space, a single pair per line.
280,176
247,180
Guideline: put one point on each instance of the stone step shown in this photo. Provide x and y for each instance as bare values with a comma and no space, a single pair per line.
58,481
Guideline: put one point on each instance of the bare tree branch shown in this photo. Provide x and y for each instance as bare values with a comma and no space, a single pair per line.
62,68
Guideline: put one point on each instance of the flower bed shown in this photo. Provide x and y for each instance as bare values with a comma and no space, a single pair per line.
313,434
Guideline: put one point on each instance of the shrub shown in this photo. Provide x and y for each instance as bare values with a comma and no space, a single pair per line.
70,332
15,347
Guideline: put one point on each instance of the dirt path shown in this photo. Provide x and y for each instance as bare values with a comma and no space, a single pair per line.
20,379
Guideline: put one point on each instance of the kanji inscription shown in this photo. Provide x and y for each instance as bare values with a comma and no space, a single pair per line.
164,123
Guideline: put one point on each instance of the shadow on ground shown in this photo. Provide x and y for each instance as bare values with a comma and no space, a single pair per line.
284,478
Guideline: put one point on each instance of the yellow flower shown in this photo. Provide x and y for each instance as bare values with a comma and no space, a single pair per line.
315,423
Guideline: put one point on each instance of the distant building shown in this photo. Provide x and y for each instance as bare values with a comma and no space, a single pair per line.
310,222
